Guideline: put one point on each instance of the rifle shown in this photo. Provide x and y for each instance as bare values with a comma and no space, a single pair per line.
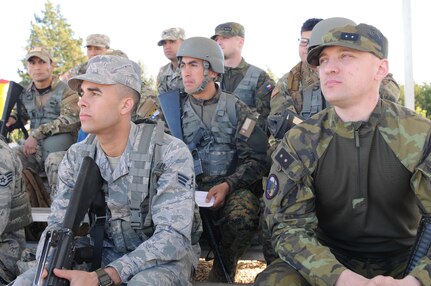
422,244
12,99
58,248
280,123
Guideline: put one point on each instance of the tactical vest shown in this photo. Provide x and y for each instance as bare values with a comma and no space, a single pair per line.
142,167
313,101
20,211
49,111
215,146
246,89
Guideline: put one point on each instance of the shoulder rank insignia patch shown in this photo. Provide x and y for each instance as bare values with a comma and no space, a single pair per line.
184,180
283,158
247,127
5,179
271,187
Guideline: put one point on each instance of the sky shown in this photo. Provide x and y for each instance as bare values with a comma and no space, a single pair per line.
272,28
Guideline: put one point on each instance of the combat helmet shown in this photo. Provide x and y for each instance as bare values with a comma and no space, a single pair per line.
324,27
204,49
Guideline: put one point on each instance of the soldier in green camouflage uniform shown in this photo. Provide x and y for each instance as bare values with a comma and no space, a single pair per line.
96,44
15,213
51,107
289,91
228,147
250,83
169,77
348,186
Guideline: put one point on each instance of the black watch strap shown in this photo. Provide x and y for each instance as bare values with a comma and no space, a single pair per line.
104,278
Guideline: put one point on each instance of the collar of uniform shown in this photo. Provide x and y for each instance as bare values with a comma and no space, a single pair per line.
210,101
347,129
243,65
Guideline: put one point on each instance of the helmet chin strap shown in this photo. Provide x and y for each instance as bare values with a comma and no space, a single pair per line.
205,81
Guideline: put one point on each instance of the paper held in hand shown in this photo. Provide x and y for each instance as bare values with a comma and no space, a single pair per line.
200,199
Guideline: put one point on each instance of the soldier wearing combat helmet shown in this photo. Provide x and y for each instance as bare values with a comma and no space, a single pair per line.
229,149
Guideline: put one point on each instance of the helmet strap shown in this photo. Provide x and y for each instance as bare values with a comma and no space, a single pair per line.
205,81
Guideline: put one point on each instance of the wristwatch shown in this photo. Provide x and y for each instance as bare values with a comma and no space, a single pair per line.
104,278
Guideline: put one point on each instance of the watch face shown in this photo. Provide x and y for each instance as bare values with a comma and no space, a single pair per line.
104,279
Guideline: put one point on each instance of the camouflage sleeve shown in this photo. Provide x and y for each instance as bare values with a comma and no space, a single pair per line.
389,89
159,82
172,214
10,167
280,98
68,121
290,215
265,85
422,186
252,163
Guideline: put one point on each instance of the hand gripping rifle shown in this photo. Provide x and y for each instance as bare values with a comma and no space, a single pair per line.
59,248
12,99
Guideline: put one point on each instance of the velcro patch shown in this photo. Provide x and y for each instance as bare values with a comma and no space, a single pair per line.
5,179
349,37
272,187
283,158
247,127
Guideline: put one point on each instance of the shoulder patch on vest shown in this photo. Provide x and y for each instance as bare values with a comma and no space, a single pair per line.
247,127
5,179
283,158
272,187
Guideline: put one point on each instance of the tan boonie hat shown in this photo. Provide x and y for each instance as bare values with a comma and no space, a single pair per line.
361,37
172,34
39,52
229,29
105,69
98,40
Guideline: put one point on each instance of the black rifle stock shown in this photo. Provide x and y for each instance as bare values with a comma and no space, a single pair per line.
59,248
279,124
12,100
422,244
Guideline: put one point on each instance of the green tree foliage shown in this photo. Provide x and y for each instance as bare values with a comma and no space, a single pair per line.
52,31
422,98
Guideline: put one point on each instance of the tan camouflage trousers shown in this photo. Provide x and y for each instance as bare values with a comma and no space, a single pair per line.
237,223
279,273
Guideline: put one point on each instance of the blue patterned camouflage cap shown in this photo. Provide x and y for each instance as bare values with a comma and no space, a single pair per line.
229,29
39,52
105,69
172,34
98,40
361,37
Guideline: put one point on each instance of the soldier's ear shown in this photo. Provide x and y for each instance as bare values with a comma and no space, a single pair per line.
127,105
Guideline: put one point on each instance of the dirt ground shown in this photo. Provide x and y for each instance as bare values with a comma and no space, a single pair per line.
247,270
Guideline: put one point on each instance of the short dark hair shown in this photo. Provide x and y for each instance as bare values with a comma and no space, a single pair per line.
309,24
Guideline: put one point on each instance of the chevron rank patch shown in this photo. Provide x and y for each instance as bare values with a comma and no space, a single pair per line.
5,179
184,180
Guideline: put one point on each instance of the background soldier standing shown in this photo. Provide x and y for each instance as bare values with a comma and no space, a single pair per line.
250,83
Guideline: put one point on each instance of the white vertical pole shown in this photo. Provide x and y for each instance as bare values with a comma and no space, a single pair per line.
409,93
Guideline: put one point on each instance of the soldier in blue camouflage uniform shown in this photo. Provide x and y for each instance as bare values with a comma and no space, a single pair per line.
348,186
169,77
51,107
229,149
15,213
109,93
250,83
